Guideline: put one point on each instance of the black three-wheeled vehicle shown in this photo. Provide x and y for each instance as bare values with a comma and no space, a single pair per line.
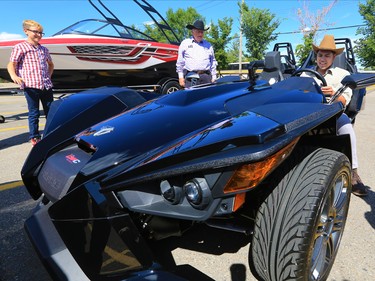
118,171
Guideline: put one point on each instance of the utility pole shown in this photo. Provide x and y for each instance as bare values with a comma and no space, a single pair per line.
240,49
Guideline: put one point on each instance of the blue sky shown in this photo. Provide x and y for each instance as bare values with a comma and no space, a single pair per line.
55,15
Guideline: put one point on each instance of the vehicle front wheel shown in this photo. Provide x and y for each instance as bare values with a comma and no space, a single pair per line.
299,226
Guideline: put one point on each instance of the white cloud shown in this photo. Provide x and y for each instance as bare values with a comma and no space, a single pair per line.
149,22
9,36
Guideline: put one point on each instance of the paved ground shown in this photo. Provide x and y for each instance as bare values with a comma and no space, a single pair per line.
355,260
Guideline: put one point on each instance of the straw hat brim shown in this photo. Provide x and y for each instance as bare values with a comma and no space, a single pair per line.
336,51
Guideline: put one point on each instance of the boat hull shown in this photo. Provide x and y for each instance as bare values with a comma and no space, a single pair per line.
89,61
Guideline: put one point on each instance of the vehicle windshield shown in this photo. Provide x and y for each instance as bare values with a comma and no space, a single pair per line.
95,27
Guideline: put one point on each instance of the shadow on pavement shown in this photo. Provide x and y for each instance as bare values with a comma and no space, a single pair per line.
15,206
207,240
16,117
370,199
238,272
14,140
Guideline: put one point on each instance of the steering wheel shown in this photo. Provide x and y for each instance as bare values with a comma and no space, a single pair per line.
298,72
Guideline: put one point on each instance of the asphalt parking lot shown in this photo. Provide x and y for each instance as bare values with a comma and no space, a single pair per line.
215,258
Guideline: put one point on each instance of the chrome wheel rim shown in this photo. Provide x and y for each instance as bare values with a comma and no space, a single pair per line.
330,227
172,89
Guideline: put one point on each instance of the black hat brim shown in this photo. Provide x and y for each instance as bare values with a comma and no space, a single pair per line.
190,26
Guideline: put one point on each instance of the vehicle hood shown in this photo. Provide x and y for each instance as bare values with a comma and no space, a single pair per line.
207,127
197,119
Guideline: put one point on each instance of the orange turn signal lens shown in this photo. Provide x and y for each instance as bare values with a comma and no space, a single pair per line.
250,175
239,200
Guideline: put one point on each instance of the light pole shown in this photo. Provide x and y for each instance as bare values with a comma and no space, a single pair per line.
240,49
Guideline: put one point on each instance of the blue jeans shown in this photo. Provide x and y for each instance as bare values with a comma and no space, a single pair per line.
33,96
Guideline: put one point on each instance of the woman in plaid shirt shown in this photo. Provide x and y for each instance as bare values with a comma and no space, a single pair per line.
31,67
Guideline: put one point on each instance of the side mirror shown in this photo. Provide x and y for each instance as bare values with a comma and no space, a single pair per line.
359,80
253,66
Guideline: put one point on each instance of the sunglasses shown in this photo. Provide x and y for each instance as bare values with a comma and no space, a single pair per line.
36,32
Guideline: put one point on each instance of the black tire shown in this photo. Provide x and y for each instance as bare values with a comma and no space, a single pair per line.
170,87
2,119
299,226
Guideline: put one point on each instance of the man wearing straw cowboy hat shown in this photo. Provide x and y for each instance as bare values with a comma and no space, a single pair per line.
325,55
196,63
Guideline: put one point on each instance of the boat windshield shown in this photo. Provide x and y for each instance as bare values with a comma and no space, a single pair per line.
95,27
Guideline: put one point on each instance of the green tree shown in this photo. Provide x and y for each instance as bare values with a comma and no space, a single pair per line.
303,50
258,26
233,49
365,46
219,37
177,20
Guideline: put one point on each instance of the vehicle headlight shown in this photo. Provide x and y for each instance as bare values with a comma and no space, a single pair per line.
170,192
197,192
193,192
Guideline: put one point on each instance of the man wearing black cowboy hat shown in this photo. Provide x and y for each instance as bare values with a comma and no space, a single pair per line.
196,63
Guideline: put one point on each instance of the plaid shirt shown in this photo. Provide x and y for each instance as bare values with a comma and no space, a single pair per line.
32,65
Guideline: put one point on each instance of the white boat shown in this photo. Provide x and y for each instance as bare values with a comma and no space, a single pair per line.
104,52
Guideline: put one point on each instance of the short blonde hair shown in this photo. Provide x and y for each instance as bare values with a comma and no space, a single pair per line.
31,23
